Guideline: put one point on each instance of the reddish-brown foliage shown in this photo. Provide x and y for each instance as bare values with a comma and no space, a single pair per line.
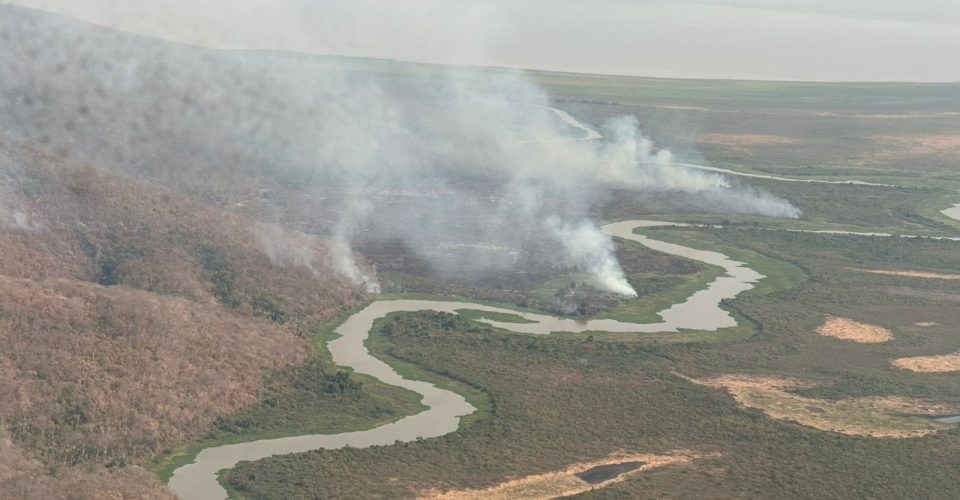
131,319
111,374
23,477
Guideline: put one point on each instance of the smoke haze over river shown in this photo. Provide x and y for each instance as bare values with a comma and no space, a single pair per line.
472,159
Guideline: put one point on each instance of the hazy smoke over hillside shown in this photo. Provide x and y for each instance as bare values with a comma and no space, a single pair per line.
542,173
471,159
11,216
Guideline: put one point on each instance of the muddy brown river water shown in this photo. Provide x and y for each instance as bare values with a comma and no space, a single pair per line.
701,311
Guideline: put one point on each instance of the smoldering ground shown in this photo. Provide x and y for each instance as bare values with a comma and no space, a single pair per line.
470,168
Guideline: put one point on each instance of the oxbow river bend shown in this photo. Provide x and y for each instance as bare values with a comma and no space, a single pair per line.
701,311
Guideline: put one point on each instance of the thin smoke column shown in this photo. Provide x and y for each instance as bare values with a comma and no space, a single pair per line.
544,174
435,158
591,251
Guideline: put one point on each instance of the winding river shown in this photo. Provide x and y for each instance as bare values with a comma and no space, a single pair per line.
784,179
952,212
592,135
701,311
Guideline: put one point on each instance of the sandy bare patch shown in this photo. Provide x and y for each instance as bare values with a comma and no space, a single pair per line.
686,108
926,323
848,329
936,144
930,364
745,142
906,116
911,274
565,482
881,417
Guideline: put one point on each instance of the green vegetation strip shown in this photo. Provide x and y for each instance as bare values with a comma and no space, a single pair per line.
315,398
381,346
779,275
390,403
473,314
558,401
677,290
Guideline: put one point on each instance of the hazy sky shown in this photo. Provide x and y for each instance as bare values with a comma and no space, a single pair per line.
890,40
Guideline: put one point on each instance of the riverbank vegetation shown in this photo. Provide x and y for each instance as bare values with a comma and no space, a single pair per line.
558,401
132,319
810,277
158,294
565,398
316,397
871,209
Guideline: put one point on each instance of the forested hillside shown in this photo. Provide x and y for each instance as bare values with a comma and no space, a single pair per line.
131,318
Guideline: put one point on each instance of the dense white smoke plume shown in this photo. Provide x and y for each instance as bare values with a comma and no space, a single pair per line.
592,252
11,217
287,248
539,169
343,260
471,159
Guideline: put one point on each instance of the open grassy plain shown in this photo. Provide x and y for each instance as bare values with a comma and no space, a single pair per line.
565,399
144,317
843,418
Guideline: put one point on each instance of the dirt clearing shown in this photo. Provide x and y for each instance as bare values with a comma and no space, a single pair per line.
879,416
911,274
568,482
745,142
940,144
848,329
930,364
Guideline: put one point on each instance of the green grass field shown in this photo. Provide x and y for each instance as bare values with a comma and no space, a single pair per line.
315,398
626,392
545,402
627,398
